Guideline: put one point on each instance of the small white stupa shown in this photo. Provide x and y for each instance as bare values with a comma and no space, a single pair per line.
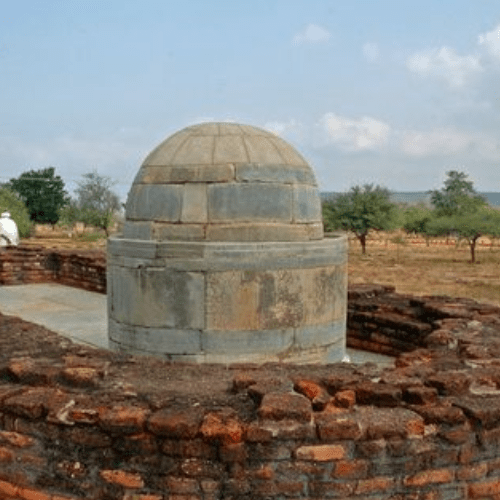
9,234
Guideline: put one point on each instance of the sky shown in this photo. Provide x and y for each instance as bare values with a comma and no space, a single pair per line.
394,93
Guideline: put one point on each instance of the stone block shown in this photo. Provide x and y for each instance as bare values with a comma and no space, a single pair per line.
137,230
162,231
161,202
157,298
274,173
185,173
306,204
319,335
194,203
236,202
257,232
195,151
229,149
246,341
262,150
154,340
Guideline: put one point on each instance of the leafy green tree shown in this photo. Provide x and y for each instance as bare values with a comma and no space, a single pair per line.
469,226
9,201
360,210
96,201
415,220
457,197
42,192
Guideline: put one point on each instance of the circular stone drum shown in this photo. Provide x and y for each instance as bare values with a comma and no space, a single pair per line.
222,257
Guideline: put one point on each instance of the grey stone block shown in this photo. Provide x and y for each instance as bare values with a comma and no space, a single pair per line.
156,340
306,204
158,298
194,203
319,335
119,246
160,202
137,230
275,173
186,173
181,232
249,202
247,341
264,231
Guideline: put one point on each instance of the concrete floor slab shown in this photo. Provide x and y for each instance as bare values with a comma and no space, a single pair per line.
82,316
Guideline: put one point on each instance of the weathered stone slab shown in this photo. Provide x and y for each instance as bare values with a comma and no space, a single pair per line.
274,173
180,232
194,203
257,232
137,230
157,298
156,340
289,154
247,341
249,202
185,173
319,335
161,202
306,204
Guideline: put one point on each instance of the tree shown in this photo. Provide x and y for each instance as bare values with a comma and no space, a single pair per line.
416,219
457,197
469,226
361,209
42,192
96,201
18,211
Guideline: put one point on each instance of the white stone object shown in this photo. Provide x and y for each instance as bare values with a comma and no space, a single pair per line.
9,235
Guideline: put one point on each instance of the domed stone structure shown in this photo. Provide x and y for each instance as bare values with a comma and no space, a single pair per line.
222,256
224,182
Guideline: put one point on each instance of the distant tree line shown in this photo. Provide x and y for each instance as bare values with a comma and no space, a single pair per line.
457,210
40,196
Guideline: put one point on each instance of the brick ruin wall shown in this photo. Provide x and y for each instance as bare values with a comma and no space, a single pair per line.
83,423
34,264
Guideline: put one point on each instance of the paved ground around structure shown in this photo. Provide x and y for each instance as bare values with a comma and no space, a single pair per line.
82,316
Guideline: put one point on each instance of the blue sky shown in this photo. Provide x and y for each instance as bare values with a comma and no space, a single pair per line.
394,93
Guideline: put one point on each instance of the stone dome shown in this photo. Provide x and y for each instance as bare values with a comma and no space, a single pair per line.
224,182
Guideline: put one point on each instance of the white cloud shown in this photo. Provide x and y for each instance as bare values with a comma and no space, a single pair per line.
312,33
445,64
491,41
371,52
354,135
282,128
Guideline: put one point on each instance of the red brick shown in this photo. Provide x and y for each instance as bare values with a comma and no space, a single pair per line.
351,469
6,455
8,489
188,448
332,427
196,467
271,488
16,439
484,489
314,392
122,478
267,430
430,477
374,484
279,406
30,494
221,427
321,453
345,399
80,376
472,472
329,488
137,496
180,425
182,485
31,403
123,419
233,452
84,415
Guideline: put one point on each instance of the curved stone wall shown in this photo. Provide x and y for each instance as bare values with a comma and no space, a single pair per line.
228,302
79,423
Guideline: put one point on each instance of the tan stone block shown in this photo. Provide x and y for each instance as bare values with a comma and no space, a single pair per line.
185,173
196,150
180,232
194,203
262,150
230,149
162,155
321,453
